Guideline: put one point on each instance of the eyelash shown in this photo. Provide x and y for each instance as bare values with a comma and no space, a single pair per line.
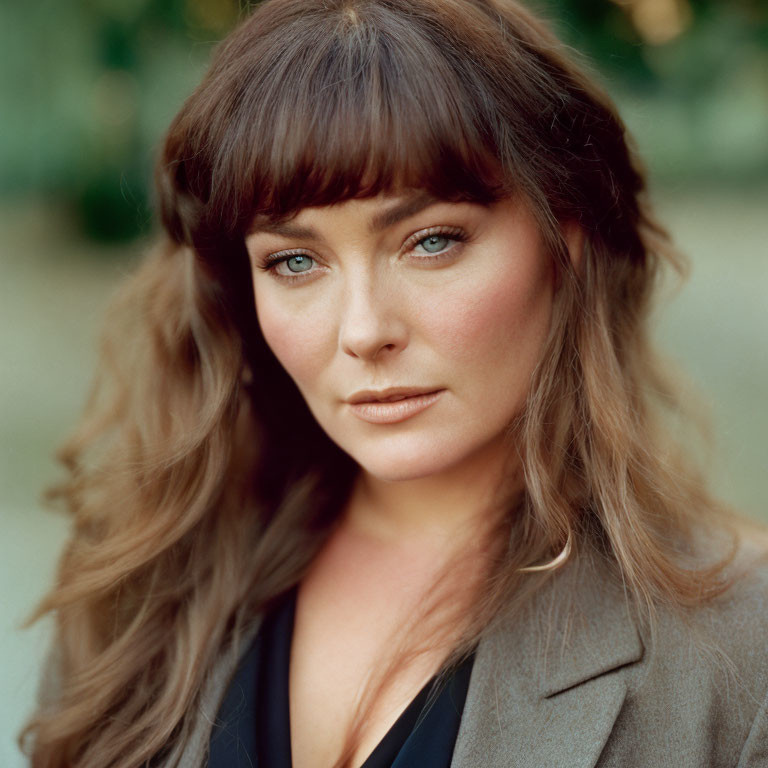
456,234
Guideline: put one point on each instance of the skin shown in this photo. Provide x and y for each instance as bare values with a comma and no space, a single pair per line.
375,310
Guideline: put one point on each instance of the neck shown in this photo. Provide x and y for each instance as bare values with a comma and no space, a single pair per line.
449,507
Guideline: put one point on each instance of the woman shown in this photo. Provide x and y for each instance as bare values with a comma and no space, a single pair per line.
375,471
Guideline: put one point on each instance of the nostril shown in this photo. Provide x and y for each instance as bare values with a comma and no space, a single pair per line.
383,346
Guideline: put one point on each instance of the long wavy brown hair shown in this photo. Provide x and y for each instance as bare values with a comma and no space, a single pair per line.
200,487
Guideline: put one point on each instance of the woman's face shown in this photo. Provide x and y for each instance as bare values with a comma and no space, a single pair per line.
445,306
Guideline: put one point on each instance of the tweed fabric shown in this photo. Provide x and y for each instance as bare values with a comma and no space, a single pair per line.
577,681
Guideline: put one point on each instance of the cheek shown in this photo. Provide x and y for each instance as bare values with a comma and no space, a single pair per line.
296,342
493,319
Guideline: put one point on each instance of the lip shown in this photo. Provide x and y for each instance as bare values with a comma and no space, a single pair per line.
388,394
391,406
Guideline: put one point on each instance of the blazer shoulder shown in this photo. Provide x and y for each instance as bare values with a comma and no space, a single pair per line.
736,621
728,632
578,678
701,688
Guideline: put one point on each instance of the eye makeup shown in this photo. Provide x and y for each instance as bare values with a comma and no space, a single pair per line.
272,263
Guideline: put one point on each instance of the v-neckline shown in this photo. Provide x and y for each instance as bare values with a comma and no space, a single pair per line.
275,673
252,726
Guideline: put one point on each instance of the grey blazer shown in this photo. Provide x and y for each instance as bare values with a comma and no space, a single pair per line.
575,682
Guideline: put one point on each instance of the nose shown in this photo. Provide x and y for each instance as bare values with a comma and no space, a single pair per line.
372,322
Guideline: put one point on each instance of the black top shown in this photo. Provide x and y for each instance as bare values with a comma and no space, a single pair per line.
252,728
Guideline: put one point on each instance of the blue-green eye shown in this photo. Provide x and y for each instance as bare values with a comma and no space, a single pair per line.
298,263
435,243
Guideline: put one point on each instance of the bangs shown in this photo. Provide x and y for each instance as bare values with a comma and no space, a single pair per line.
351,103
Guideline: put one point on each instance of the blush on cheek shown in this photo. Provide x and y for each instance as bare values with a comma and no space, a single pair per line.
491,315
291,340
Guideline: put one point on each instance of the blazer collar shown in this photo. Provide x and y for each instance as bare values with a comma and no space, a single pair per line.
546,685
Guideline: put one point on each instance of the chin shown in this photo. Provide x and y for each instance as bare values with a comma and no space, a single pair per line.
403,463
398,472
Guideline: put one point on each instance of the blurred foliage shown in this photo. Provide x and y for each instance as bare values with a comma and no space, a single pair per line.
88,87
690,77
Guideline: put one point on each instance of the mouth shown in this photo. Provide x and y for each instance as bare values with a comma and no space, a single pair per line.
390,395
391,407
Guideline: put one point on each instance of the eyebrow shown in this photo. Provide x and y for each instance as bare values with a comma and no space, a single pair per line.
378,222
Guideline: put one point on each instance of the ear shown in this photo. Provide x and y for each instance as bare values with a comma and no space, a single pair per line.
575,239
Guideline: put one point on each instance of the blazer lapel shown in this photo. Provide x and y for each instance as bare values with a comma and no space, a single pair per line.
546,685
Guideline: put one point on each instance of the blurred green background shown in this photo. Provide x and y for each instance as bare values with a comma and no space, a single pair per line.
89,85
87,88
